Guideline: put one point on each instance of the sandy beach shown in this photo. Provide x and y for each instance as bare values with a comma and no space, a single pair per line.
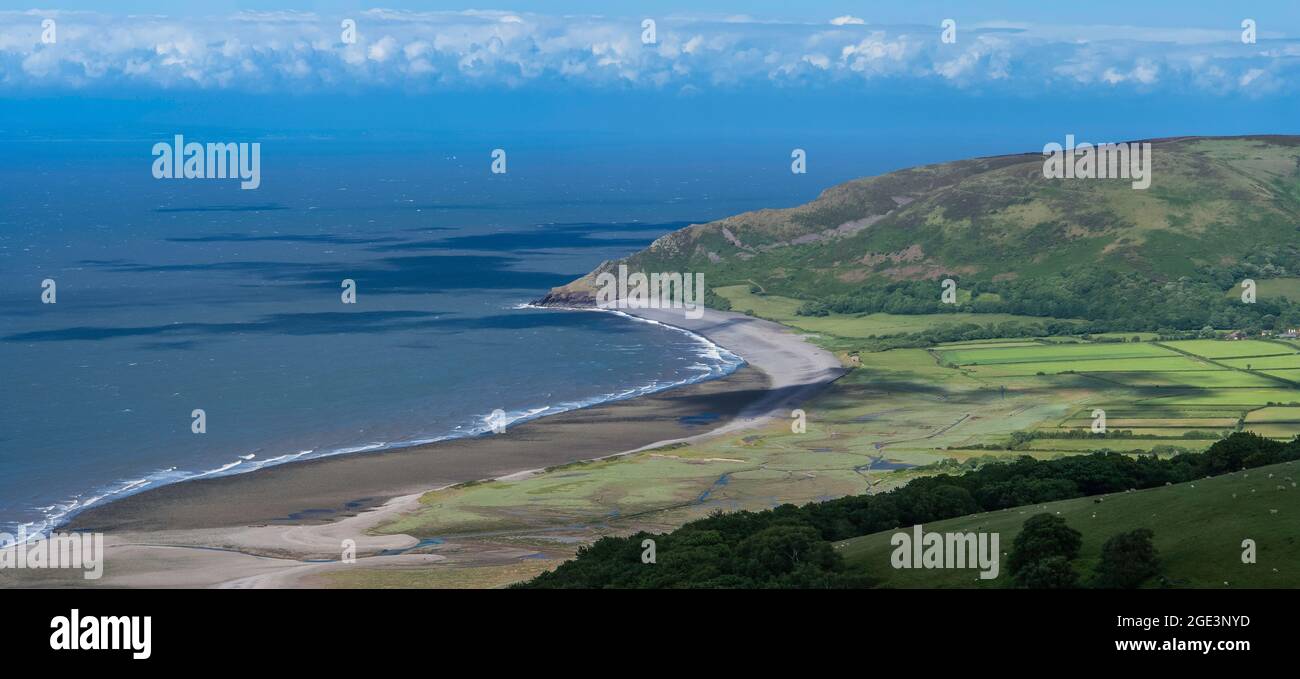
272,527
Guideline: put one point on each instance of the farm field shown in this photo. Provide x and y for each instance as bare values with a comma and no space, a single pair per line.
1233,397
868,431
1274,430
1289,375
989,344
1198,530
896,413
1226,349
1074,446
1198,379
893,417
1274,414
853,326
1048,353
1097,365
1168,394
1281,362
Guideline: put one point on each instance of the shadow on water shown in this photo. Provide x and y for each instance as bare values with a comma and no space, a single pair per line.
327,323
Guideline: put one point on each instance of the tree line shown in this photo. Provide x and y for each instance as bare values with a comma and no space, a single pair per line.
791,546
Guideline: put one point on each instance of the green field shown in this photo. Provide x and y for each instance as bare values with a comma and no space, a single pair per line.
902,407
1290,375
1269,288
1117,444
892,415
1045,353
1229,349
1223,206
1198,379
1282,362
853,326
1233,397
1274,414
1198,529
1161,392
988,344
1095,365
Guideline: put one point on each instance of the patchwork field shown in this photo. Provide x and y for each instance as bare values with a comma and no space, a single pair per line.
1180,392
879,426
867,432
896,415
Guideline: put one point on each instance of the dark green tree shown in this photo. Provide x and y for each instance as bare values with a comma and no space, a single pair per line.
1043,536
1127,560
783,549
1054,572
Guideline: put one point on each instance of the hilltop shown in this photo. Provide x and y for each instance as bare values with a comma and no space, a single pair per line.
1218,210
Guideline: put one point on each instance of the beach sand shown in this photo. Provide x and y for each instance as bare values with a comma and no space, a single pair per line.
326,489
258,529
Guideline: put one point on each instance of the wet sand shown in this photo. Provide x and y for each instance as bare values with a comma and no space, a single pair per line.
281,526
326,489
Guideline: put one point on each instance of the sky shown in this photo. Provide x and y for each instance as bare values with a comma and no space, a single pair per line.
1016,75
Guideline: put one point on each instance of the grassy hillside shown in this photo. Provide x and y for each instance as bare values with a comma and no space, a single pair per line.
1218,210
1199,508
1198,529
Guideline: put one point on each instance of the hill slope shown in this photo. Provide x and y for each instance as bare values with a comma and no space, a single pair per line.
1199,527
1218,210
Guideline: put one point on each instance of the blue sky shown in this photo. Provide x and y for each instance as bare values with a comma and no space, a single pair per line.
868,74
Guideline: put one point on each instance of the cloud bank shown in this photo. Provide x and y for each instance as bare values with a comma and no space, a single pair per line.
300,52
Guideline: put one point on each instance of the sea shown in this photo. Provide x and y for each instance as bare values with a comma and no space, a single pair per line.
173,296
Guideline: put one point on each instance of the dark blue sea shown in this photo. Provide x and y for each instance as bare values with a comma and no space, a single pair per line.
177,295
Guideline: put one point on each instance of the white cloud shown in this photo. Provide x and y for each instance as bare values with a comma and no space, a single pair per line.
303,51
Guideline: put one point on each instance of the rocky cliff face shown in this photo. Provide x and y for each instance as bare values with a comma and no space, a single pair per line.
577,298
579,293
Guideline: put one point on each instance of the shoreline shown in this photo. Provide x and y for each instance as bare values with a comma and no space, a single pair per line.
724,364
266,523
